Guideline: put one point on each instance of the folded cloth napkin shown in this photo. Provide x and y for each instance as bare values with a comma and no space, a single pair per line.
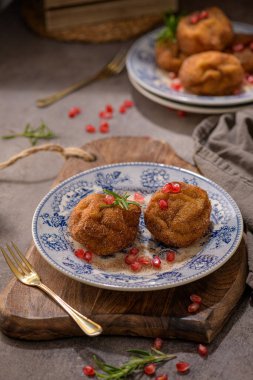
223,152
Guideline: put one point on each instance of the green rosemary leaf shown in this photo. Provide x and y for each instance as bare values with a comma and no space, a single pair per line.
33,134
110,192
170,30
139,352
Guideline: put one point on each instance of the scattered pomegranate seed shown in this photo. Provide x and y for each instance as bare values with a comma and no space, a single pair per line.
156,262
144,260
203,15
176,86
88,256
88,370
193,307
109,108
196,299
122,109
80,253
136,267
138,198
172,75
170,257
162,377
250,79
158,343
133,251
238,47
163,204
130,259
194,19
202,350
105,115
109,199
167,188
128,103
104,127
183,367
251,46
150,369
74,111
175,187
90,128
181,113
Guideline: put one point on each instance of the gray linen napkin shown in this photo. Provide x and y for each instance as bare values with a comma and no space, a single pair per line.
223,152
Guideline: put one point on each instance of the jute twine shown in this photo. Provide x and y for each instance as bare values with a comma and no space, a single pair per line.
65,152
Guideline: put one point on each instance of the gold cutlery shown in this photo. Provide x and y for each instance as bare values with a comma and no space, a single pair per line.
25,273
114,67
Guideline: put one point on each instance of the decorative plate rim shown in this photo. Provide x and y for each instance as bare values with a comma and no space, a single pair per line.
187,98
152,287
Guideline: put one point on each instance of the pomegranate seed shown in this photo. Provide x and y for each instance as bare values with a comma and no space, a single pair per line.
196,299
172,75
136,267
138,198
181,113
237,91
170,256
163,204
109,108
167,188
88,370
158,343
162,377
90,128
175,187
193,307
130,259
122,109
156,262
194,19
104,127
109,199
128,103
250,79
133,251
183,367
150,369
74,111
202,350
88,256
238,47
251,46
144,260
176,86
203,15
105,115
80,253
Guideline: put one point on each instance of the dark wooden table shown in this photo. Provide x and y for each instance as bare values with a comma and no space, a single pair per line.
30,68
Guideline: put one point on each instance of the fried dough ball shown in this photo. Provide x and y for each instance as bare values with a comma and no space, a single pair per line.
202,31
242,49
211,73
103,230
168,56
186,218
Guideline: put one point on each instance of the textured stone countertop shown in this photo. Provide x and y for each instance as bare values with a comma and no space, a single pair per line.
30,68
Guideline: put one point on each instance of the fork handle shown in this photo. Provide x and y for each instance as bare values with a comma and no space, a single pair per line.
68,90
87,326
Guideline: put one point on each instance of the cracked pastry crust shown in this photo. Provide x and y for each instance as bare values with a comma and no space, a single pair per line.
211,73
186,220
103,230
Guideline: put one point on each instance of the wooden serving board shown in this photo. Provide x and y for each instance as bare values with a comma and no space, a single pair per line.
27,313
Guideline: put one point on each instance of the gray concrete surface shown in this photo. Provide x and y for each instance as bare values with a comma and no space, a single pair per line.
30,68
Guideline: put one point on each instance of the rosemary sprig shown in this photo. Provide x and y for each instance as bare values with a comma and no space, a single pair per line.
136,363
120,200
169,32
33,134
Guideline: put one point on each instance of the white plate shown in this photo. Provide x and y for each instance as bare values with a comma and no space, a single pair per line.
185,107
52,238
142,67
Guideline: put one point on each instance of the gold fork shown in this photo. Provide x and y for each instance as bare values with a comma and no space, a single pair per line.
115,66
24,271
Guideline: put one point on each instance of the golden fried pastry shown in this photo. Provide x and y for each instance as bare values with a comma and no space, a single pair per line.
209,29
103,230
178,214
168,56
242,48
211,73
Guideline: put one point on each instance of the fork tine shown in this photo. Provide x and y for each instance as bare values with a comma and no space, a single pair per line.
12,266
21,268
22,257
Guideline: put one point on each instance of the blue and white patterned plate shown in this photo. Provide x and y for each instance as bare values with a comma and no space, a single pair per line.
141,66
52,238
